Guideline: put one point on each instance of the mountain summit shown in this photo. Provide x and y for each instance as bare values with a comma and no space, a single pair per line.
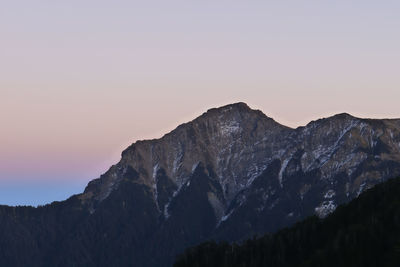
239,143
229,174
226,139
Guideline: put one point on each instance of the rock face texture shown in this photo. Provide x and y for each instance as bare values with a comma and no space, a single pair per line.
229,174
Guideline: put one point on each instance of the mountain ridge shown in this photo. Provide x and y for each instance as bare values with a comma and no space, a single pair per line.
241,108
228,174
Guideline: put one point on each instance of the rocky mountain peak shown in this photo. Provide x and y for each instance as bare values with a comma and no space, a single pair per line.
239,106
224,138
238,144
230,119
229,174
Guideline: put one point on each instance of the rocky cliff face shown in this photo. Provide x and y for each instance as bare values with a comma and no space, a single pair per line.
235,141
239,144
231,173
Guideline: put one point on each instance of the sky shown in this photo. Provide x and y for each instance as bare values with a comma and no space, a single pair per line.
82,80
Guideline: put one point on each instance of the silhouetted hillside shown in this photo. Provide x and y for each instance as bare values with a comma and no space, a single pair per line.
365,232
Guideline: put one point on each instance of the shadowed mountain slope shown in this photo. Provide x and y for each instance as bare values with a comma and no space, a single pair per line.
229,174
365,232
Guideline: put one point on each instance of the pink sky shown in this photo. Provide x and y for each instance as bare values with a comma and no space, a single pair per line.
81,81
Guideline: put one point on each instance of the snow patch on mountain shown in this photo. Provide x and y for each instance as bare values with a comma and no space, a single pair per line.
325,208
155,170
225,217
283,167
217,205
330,194
230,128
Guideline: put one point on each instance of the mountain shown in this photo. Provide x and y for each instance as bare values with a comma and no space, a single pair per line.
229,174
365,232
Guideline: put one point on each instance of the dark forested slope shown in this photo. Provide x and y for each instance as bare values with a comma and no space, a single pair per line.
365,232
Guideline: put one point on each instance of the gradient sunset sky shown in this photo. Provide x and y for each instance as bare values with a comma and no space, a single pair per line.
81,80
